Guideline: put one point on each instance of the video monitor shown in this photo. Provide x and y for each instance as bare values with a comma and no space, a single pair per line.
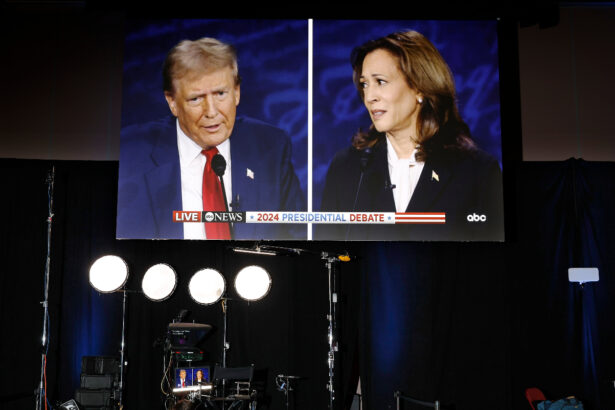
311,129
192,376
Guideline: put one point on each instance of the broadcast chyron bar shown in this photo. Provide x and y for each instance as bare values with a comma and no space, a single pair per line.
405,141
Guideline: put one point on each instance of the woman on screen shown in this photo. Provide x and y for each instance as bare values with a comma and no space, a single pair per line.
418,154
199,377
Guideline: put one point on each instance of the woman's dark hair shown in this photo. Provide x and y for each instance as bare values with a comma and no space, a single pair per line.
439,125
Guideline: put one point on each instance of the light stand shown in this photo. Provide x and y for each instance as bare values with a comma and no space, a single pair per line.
109,274
225,344
331,317
122,363
41,392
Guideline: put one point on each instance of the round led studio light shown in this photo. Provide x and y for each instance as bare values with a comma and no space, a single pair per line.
252,283
207,286
108,274
159,282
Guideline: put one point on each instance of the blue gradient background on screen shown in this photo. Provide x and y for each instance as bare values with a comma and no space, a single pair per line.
469,47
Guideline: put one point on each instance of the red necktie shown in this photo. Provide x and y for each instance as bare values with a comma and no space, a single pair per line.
213,199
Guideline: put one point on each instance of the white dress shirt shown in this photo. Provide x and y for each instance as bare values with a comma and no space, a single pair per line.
192,164
404,174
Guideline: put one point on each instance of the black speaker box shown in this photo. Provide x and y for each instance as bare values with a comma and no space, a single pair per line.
97,381
93,398
100,365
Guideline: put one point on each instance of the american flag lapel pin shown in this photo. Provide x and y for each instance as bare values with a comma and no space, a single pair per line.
434,176
249,173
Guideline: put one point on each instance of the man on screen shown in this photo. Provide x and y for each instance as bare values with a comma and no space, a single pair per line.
182,382
166,165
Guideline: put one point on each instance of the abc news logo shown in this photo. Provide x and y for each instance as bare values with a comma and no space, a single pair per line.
224,216
476,218
208,216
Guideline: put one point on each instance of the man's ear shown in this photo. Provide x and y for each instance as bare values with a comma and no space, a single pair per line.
171,101
237,94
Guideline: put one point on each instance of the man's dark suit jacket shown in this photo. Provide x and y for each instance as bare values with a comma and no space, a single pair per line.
149,187
460,183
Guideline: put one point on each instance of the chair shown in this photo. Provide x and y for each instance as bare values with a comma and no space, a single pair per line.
242,376
533,395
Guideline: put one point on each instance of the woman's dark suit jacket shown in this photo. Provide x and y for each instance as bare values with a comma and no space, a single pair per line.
460,183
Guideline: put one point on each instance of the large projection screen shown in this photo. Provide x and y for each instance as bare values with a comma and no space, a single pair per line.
291,170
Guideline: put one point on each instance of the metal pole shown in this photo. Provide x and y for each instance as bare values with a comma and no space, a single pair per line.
331,332
40,396
225,347
121,386
225,344
287,392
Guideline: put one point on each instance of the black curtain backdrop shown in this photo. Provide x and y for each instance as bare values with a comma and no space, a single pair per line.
564,335
470,324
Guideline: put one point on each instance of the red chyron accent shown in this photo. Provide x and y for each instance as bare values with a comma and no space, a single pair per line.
186,216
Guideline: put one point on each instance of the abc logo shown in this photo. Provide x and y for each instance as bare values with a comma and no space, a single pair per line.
209,216
476,218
